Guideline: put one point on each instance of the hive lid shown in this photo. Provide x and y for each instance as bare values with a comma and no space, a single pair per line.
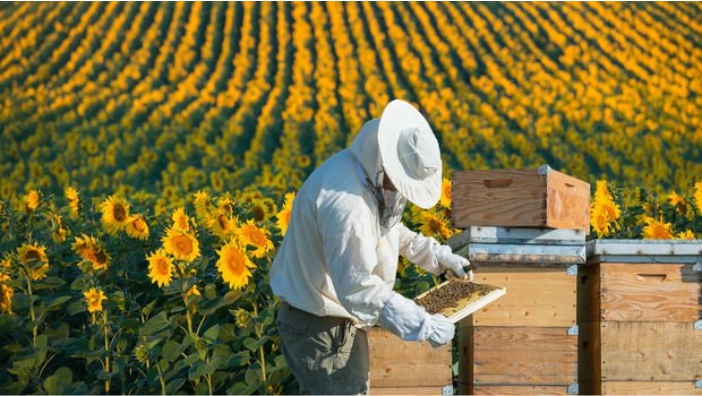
465,306
644,251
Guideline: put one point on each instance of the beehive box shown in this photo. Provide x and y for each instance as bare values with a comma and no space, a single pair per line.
639,305
525,342
539,197
408,368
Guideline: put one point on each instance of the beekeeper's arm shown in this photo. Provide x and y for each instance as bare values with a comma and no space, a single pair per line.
429,254
347,226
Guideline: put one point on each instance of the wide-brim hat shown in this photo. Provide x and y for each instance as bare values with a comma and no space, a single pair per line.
410,153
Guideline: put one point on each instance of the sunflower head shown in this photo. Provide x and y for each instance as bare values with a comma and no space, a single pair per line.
115,214
90,249
234,265
161,268
180,219
73,201
445,199
435,225
137,227
34,259
32,201
284,215
656,229
698,196
251,234
181,245
94,297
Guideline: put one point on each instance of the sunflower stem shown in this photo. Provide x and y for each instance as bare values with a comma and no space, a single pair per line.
259,334
105,330
32,315
160,379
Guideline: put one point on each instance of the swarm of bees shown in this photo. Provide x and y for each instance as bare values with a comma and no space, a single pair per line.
447,296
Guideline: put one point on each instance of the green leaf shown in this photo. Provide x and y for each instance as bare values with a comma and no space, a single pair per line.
212,333
172,350
57,302
201,369
76,307
8,323
51,282
129,323
241,388
253,374
155,324
252,344
57,383
175,385
240,359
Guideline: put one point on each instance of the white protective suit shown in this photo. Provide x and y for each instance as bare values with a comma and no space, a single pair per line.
336,260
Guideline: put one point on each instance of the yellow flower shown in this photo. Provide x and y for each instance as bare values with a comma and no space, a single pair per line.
687,234
241,317
181,220
698,196
94,297
194,291
604,212
32,201
115,214
284,214
678,201
445,199
202,206
181,245
221,224
250,234
160,268
6,293
137,227
656,229
35,260
58,233
73,201
90,249
234,265
434,225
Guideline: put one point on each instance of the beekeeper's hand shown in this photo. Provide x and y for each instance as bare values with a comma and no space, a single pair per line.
407,320
453,264
441,330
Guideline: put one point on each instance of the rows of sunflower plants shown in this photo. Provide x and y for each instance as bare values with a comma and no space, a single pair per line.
103,296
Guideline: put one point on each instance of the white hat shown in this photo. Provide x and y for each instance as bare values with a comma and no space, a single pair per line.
410,154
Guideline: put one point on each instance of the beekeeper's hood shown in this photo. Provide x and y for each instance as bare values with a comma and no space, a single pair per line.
402,144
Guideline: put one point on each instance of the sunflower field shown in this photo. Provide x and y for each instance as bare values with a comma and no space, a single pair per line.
150,155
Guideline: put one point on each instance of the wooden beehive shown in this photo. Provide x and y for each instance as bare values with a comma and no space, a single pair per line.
539,197
639,306
525,342
408,368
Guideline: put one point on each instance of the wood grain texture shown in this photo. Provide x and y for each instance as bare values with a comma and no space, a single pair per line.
519,198
645,351
524,356
397,363
544,297
650,388
516,390
658,292
406,390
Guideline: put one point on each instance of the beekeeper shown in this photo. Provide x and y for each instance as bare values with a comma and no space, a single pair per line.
335,270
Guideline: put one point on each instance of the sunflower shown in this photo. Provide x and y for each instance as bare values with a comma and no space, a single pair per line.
687,234
32,201
220,224
604,212
261,209
202,206
234,265
35,260
180,219
284,214
94,297
241,317
181,245
160,268
194,291
58,233
435,225
656,229
73,201
115,214
445,199
698,196
6,293
678,202
137,228
90,249
251,234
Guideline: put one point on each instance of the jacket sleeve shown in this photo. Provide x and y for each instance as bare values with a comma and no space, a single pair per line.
348,228
420,250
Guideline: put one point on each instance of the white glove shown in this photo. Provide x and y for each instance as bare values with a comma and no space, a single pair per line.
453,263
407,320
441,330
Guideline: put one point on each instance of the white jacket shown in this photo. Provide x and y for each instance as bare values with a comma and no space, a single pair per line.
336,259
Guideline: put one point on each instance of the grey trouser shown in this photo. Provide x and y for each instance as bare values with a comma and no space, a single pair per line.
327,355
